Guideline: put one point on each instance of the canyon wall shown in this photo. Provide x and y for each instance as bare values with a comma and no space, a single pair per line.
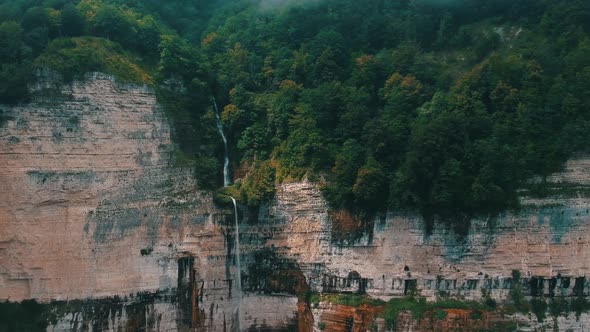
98,223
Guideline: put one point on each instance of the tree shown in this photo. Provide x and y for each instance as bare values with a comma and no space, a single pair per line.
11,42
112,23
370,189
13,82
148,36
178,58
35,17
37,39
260,184
73,23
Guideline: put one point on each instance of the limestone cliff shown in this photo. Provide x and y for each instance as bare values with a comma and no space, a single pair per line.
547,240
97,223
92,207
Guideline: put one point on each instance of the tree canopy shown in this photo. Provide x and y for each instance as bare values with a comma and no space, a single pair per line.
444,108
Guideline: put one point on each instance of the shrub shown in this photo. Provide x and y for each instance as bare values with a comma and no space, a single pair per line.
517,293
260,184
146,251
539,308
441,314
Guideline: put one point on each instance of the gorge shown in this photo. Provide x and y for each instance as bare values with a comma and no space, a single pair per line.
100,227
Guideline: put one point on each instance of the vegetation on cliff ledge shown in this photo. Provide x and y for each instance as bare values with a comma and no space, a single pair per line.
541,307
439,107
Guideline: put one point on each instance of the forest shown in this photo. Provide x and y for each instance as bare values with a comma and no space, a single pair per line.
444,108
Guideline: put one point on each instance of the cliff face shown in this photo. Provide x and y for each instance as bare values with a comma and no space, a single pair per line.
92,209
546,241
548,238
86,184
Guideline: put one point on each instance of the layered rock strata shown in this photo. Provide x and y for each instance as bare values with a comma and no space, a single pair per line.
547,241
92,208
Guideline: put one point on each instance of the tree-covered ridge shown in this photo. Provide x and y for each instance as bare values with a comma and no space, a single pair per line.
437,106
441,107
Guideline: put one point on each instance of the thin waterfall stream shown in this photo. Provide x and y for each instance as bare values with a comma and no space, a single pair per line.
226,175
226,183
238,264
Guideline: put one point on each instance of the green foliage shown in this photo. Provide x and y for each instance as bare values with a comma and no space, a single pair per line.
33,36
440,314
322,326
352,300
72,57
73,23
476,315
517,295
419,306
222,196
579,305
146,251
14,65
177,57
559,306
314,300
25,316
259,186
488,301
13,82
434,108
206,167
11,45
428,107
111,22
562,306
539,308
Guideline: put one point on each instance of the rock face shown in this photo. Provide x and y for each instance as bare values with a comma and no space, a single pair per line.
86,184
547,241
94,212
92,207
337,318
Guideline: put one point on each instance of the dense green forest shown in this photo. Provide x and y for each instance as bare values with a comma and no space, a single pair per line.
440,107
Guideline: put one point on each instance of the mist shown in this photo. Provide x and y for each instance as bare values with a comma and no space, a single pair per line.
284,4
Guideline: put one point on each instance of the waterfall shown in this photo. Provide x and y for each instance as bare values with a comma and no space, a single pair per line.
238,265
227,182
226,176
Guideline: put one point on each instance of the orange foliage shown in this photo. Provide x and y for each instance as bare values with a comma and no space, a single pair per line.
209,39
